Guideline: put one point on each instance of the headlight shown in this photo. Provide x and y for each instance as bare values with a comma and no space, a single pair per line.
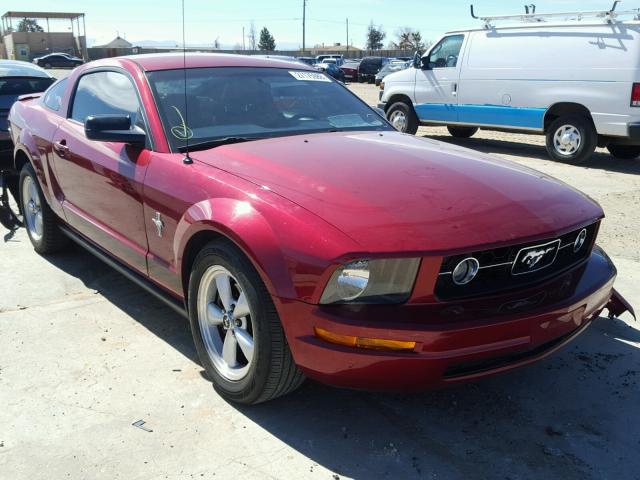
372,281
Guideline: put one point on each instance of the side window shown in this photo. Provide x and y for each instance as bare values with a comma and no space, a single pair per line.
105,93
445,53
53,98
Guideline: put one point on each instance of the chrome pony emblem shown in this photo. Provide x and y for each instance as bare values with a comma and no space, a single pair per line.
157,221
531,259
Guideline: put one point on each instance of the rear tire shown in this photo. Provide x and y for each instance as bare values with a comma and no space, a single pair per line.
571,139
403,118
624,152
462,132
38,218
257,365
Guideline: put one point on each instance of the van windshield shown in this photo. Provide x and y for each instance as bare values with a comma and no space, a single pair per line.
255,102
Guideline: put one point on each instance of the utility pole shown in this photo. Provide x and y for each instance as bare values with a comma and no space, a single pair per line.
304,15
347,34
242,38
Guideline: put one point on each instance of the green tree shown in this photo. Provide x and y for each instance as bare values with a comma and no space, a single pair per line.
267,42
29,25
409,39
375,36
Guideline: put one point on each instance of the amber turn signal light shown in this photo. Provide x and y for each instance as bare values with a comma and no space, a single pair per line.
364,342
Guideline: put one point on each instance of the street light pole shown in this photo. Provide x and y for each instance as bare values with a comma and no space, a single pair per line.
347,34
304,15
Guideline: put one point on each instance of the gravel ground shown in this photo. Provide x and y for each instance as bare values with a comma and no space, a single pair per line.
84,354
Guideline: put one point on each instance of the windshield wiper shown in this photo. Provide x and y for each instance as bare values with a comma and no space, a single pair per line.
216,143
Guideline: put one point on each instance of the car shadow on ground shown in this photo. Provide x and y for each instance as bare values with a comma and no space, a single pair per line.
573,415
599,160
143,307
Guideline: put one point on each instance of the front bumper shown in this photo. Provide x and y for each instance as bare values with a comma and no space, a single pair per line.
456,341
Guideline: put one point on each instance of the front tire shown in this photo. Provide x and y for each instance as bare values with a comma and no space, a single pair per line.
462,132
38,218
624,152
236,329
403,118
571,139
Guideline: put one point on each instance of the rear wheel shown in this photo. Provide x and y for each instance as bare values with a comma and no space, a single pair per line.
38,218
462,132
571,139
403,118
624,152
236,329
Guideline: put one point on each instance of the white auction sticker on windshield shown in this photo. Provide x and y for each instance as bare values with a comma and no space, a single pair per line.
311,76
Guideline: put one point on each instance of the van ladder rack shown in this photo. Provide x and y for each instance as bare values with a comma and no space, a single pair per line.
530,15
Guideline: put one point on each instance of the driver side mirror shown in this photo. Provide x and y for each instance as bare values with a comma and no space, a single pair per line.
425,64
417,61
114,128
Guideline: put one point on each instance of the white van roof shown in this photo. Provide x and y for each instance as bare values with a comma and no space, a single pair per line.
575,23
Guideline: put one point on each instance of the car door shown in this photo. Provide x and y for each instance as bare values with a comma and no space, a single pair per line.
436,88
102,182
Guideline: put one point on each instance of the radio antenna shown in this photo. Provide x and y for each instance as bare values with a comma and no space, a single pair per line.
187,159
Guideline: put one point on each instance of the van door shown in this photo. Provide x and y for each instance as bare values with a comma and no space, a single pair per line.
436,88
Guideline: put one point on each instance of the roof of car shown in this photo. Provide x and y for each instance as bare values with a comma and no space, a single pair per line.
175,60
16,68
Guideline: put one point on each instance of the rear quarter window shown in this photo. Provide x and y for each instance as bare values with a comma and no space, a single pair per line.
53,97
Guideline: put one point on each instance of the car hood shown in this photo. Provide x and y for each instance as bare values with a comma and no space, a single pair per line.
392,192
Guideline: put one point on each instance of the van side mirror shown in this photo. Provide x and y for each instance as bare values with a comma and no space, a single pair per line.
114,128
425,64
417,62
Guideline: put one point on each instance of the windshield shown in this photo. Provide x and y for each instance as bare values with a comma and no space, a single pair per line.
255,102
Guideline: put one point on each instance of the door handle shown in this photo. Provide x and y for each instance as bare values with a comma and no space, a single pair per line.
454,89
61,147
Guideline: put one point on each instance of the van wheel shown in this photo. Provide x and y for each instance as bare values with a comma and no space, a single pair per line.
403,118
38,218
624,152
236,328
571,139
462,132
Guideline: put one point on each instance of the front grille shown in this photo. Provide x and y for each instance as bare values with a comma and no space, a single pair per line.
497,272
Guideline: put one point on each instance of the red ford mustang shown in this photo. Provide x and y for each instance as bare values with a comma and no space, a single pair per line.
299,233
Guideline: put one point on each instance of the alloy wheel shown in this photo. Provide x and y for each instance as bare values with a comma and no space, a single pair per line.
225,321
32,208
567,140
399,120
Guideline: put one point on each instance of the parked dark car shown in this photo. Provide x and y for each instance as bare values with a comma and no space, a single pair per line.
350,70
307,60
369,68
16,78
58,60
394,66
333,70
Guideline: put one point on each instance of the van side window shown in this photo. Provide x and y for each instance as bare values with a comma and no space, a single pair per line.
445,53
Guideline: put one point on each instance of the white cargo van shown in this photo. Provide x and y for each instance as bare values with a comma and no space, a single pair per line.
577,82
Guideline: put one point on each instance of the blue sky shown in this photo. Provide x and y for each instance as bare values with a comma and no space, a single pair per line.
207,20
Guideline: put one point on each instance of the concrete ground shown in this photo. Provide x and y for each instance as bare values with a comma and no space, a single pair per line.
84,354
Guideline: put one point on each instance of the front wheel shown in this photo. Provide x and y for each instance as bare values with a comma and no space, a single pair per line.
462,132
571,139
403,118
624,152
236,329
38,218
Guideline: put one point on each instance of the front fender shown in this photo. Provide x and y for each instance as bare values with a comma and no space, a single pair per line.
237,220
290,247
